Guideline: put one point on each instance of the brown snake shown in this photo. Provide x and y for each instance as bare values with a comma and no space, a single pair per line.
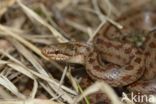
123,62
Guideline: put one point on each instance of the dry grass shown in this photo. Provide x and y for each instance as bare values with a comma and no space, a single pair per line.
27,26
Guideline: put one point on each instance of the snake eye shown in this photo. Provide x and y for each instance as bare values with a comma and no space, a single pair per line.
57,52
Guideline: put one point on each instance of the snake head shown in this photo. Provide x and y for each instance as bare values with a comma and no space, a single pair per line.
71,51
58,52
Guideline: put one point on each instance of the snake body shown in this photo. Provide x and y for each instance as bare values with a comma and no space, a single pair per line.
119,63
128,61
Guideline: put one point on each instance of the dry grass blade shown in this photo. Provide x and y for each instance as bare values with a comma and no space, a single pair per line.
28,101
94,2
34,90
29,56
32,59
48,89
73,81
8,32
55,84
102,86
24,71
62,78
10,57
36,50
48,79
10,86
100,26
5,94
113,22
45,77
108,7
80,27
95,32
104,18
18,68
36,17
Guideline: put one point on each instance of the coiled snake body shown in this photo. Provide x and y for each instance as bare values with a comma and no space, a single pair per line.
123,63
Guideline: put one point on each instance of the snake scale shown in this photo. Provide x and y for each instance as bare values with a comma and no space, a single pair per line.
119,63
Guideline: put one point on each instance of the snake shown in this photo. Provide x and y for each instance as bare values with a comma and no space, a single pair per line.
113,60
